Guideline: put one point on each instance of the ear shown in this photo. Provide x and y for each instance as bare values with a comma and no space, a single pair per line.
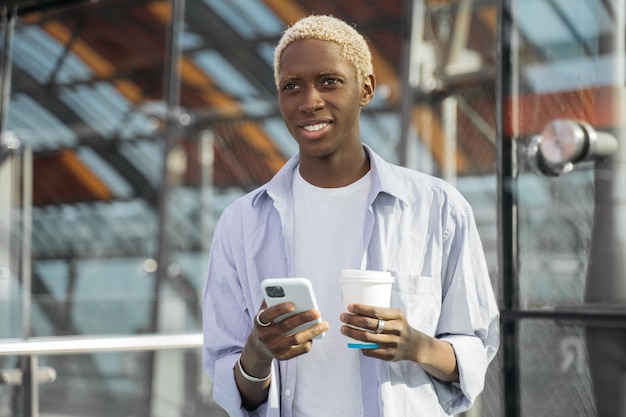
367,92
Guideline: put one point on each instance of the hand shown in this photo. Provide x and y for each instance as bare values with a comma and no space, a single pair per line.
397,341
271,339
266,342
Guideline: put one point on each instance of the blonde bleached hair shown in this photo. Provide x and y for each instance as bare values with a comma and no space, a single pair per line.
354,48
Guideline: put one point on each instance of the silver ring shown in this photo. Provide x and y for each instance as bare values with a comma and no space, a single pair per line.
381,326
258,320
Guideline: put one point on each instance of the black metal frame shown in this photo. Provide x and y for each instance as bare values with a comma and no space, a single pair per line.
507,223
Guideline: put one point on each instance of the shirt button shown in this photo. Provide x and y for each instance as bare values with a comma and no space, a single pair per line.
287,392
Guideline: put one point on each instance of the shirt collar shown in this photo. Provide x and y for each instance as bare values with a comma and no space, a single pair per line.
280,185
385,179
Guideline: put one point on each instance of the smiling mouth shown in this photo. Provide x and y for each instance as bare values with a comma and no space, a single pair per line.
316,127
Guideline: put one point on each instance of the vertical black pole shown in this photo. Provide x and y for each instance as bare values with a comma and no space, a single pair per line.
171,93
407,91
507,213
7,25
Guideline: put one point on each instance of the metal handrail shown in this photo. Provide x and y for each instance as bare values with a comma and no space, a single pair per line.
67,345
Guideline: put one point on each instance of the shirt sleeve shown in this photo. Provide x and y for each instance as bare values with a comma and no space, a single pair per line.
226,323
469,316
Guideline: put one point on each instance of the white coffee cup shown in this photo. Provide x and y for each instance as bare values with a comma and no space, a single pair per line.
365,287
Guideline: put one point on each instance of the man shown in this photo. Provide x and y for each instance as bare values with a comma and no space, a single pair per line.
337,205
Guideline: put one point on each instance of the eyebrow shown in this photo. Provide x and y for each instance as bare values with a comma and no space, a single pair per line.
321,74
288,78
331,72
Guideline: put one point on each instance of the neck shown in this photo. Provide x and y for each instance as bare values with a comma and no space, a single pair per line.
335,172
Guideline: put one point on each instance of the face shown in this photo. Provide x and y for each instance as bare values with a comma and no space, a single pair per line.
320,99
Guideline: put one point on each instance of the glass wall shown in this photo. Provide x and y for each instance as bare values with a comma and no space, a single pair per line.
99,384
563,207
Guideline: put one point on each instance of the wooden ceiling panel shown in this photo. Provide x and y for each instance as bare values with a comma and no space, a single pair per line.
62,178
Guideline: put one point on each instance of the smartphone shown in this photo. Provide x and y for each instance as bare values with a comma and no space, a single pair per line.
299,291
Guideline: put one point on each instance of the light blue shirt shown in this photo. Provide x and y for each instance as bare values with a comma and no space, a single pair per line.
419,228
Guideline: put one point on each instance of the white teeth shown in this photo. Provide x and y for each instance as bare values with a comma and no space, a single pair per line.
315,128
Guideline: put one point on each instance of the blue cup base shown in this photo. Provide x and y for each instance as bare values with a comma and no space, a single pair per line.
363,346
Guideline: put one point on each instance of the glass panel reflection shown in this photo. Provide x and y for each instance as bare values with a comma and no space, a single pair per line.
554,373
117,384
555,221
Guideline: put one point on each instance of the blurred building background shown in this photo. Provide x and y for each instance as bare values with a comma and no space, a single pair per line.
128,125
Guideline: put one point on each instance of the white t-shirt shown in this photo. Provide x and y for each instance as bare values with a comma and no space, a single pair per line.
328,236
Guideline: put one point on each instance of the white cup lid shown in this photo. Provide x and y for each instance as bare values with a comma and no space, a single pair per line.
360,275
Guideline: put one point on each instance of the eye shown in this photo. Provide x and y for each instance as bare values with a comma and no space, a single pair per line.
331,81
289,86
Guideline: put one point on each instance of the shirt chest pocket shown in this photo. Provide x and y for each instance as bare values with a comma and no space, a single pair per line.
419,297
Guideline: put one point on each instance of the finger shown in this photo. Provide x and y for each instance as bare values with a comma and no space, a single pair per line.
290,323
384,354
285,347
376,312
311,333
386,342
265,316
261,322
264,322
370,311
364,322
272,313
281,336
381,340
293,351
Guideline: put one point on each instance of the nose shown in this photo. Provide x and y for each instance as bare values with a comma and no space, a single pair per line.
312,101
